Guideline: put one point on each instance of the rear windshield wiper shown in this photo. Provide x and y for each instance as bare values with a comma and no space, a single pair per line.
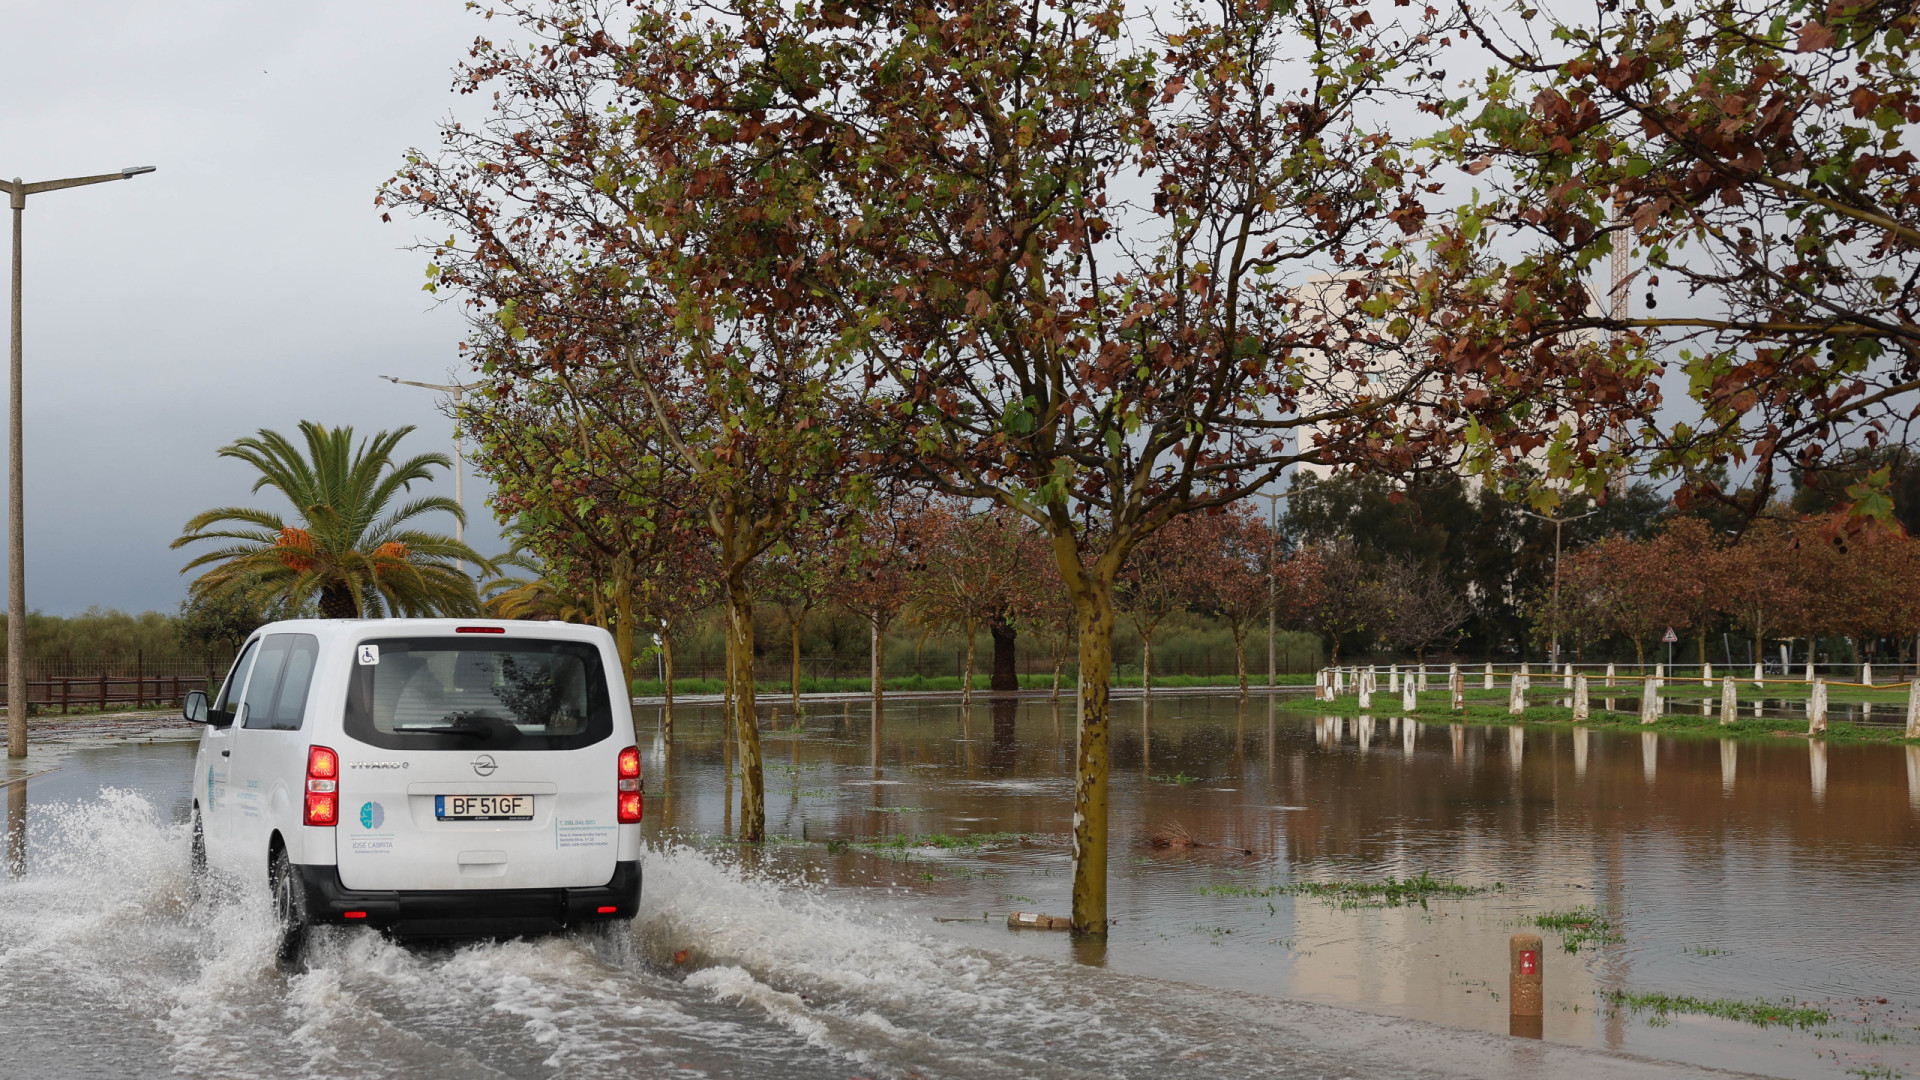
482,733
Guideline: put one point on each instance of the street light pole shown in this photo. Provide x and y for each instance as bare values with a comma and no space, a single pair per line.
1553,650
1273,532
17,191
459,456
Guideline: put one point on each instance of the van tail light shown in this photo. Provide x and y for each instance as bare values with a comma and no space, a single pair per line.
323,787
632,805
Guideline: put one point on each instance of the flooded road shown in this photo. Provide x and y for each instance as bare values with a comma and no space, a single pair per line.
1714,871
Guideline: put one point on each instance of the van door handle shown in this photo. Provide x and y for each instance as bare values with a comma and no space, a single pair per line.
226,753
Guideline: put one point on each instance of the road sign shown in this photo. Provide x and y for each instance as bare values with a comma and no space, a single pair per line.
1671,636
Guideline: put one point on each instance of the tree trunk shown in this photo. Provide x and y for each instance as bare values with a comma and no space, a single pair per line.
1095,604
1006,676
794,624
1146,665
1639,652
1240,660
753,798
966,677
666,660
336,602
876,651
623,623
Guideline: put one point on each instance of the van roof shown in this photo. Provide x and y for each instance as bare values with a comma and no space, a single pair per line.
366,629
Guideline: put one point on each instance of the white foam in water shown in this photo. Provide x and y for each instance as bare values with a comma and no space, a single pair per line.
780,979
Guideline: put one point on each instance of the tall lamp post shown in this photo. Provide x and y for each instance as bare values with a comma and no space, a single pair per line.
1553,650
459,457
1273,532
17,191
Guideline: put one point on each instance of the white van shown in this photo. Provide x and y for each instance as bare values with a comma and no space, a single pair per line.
428,776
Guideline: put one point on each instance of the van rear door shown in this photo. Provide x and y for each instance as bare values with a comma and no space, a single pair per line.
477,763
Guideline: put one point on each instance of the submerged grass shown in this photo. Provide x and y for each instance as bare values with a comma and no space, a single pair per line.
1392,892
1435,708
904,842
1580,926
1757,1013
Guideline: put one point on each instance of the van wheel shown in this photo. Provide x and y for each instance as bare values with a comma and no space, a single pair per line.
289,906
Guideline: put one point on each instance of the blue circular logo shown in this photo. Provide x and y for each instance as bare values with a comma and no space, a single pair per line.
371,815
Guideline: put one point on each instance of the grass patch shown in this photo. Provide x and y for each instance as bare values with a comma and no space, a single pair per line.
1757,1013
1483,708
1393,892
904,842
1580,926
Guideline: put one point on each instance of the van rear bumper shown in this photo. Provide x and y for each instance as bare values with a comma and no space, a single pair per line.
470,912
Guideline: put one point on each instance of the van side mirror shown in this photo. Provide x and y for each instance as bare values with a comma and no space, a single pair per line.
195,709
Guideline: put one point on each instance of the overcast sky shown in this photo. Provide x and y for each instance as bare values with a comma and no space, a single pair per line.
248,283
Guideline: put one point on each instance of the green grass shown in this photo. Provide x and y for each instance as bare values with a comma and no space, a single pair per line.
1490,707
1392,892
1580,926
948,683
1757,1013
915,841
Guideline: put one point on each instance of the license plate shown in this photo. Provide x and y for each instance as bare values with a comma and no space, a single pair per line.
483,807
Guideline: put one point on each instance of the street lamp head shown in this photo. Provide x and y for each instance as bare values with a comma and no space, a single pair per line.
136,170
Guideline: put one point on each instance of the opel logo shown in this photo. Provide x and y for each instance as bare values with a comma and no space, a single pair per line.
484,765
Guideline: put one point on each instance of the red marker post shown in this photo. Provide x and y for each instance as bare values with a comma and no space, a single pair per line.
1524,986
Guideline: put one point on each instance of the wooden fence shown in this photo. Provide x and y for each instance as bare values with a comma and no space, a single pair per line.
103,691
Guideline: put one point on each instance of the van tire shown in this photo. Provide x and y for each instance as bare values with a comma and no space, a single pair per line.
289,905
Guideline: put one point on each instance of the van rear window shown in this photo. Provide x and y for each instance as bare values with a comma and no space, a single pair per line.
467,694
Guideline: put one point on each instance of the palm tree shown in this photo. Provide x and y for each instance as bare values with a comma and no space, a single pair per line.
345,546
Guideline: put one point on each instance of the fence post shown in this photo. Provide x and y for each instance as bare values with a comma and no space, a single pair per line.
1729,700
103,691
1366,688
1759,674
1706,673
1913,709
1393,677
1649,702
1489,685
1423,679
1817,708
1517,695
139,678
1580,703
1457,683
1609,674
1409,697
1866,674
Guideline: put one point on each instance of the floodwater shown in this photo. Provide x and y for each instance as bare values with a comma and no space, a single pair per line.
1778,871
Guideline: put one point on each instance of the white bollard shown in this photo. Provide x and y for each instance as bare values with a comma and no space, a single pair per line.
1489,685
1458,684
1729,700
1566,677
1706,674
1580,704
1659,675
1609,673
1366,689
1517,695
1393,677
1422,688
1913,709
1866,674
1649,702
1409,697
1525,669
1809,662
1759,675
1817,708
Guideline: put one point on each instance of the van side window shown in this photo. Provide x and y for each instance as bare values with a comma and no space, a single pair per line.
223,706
277,694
